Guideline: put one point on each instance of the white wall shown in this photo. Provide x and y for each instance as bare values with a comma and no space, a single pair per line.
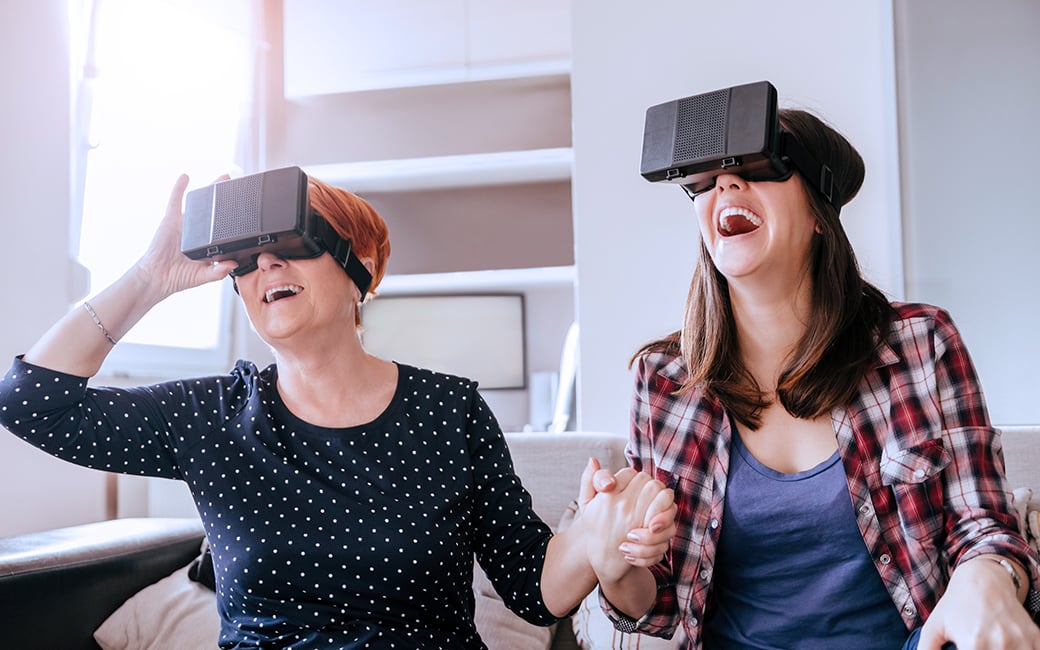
636,241
969,92
36,491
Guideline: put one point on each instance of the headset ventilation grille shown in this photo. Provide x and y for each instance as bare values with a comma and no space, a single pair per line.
238,207
701,126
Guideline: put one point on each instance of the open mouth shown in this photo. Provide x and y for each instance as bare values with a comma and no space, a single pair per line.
738,221
285,291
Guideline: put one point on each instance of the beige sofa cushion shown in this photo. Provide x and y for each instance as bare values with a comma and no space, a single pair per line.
550,464
1022,458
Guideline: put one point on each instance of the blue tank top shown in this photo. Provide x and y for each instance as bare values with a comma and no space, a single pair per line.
792,570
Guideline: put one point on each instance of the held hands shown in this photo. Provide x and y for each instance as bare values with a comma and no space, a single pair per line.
980,610
630,519
163,267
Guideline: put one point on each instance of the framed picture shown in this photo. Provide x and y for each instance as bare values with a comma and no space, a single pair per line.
478,336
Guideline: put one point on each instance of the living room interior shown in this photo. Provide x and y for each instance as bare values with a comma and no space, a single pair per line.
935,95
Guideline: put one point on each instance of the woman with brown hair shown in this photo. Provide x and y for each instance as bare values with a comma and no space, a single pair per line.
344,496
838,480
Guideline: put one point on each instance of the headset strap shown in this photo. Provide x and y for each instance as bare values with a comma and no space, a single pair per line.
341,249
819,175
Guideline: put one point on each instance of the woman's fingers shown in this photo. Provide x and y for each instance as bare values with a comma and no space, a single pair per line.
662,510
587,489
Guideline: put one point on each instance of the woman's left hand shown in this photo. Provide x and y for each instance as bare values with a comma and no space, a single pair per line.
646,545
980,610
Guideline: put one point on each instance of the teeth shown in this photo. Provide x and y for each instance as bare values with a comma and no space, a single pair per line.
728,213
285,288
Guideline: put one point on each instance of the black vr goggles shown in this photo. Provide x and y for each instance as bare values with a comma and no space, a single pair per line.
690,141
267,212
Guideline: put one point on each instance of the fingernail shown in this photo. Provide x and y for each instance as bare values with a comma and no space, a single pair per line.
629,558
625,548
656,528
633,537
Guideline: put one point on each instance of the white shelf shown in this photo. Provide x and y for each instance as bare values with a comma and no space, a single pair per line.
439,76
471,281
441,172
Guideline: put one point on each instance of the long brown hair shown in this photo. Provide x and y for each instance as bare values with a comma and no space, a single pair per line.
848,314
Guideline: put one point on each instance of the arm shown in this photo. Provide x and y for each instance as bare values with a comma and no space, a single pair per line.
605,542
76,345
45,400
982,604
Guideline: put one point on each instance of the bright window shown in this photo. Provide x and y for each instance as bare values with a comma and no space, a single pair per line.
167,87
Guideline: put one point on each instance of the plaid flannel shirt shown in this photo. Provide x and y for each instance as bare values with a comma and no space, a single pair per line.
925,472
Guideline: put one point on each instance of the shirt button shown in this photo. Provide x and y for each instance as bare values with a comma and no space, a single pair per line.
919,473
693,621
908,610
864,509
885,558
705,574
714,523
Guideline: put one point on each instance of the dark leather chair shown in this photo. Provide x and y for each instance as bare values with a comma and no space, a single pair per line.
58,586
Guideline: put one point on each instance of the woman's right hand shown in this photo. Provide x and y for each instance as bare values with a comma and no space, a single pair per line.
163,267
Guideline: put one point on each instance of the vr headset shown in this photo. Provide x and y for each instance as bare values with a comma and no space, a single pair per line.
690,141
267,212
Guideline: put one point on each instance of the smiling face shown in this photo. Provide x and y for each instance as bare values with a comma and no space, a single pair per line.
757,231
286,297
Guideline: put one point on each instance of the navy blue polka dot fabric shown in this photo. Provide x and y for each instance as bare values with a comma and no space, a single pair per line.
360,537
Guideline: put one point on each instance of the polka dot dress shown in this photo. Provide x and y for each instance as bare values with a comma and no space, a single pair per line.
358,537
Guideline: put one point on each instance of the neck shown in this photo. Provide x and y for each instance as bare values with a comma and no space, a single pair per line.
769,324
337,387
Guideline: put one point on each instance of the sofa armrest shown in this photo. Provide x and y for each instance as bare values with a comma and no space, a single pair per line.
58,586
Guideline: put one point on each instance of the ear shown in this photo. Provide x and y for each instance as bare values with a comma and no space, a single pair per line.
818,228
370,266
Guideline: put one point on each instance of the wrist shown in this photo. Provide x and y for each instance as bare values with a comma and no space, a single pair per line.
1001,572
1011,570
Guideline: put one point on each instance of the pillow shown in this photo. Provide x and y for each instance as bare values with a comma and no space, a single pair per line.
499,627
1020,498
594,631
171,614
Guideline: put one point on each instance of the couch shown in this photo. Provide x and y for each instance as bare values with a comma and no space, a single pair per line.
57,587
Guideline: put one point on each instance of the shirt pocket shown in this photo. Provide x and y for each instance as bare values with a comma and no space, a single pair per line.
914,475
693,506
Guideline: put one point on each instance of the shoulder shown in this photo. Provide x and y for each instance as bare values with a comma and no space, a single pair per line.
415,378
920,330
239,385
661,365
920,317
918,310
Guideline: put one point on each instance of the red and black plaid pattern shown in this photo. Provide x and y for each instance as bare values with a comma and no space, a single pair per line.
924,465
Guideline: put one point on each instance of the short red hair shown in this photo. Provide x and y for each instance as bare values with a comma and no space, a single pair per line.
355,220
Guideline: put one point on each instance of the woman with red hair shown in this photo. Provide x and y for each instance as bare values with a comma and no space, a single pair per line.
344,496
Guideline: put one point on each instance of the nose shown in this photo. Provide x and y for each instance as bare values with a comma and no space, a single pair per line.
268,261
729,182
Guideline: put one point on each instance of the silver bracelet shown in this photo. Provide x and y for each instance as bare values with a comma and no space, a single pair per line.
1011,571
97,321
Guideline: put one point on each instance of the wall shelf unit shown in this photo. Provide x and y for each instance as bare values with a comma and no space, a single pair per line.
479,281
445,172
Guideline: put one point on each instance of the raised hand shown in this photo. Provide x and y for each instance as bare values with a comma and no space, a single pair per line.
163,267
